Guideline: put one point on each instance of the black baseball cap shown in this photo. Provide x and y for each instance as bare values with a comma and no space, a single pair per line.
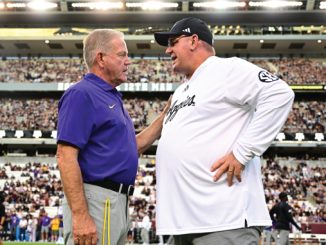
188,27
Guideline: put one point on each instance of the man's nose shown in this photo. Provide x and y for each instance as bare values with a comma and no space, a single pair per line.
128,61
168,50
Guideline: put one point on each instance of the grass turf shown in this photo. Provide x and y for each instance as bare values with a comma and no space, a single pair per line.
28,243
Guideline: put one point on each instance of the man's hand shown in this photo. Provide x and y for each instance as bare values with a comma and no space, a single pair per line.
228,164
84,230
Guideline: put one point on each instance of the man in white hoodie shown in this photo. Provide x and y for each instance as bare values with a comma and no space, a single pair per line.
146,225
222,118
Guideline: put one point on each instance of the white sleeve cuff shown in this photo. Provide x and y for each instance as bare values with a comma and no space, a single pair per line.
242,158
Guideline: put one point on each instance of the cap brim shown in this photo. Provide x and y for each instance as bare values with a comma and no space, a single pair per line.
162,38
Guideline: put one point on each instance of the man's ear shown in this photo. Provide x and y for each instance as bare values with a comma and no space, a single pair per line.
99,59
194,42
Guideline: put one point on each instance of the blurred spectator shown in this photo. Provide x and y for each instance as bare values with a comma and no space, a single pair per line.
281,214
2,216
55,223
23,228
145,227
45,225
14,222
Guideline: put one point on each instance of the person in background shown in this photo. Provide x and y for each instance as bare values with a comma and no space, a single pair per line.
14,221
296,232
2,215
34,228
281,214
60,227
146,225
19,213
23,223
45,224
29,229
55,223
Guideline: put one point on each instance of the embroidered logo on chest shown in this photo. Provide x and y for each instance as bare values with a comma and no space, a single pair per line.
190,101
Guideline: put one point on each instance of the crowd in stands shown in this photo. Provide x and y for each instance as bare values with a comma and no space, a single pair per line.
70,70
304,184
29,189
32,189
301,71
41,70
154,71
306,117
41,114
28,114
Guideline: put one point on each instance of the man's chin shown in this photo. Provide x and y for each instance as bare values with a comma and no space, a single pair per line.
176,69
118,82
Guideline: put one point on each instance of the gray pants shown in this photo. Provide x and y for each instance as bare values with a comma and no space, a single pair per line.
269,236
144,236
283,237
244,236
119,215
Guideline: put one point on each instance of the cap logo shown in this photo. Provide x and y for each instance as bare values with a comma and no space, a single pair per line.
187,30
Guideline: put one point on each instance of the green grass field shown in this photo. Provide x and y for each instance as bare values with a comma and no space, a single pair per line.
28,243
50,243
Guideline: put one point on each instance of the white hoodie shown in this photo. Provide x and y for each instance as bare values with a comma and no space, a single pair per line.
227,105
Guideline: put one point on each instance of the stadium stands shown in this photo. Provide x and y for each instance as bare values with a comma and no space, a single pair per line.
70,70
33,187
35,70
41,114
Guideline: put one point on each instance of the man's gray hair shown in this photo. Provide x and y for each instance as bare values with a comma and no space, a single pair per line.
98,41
